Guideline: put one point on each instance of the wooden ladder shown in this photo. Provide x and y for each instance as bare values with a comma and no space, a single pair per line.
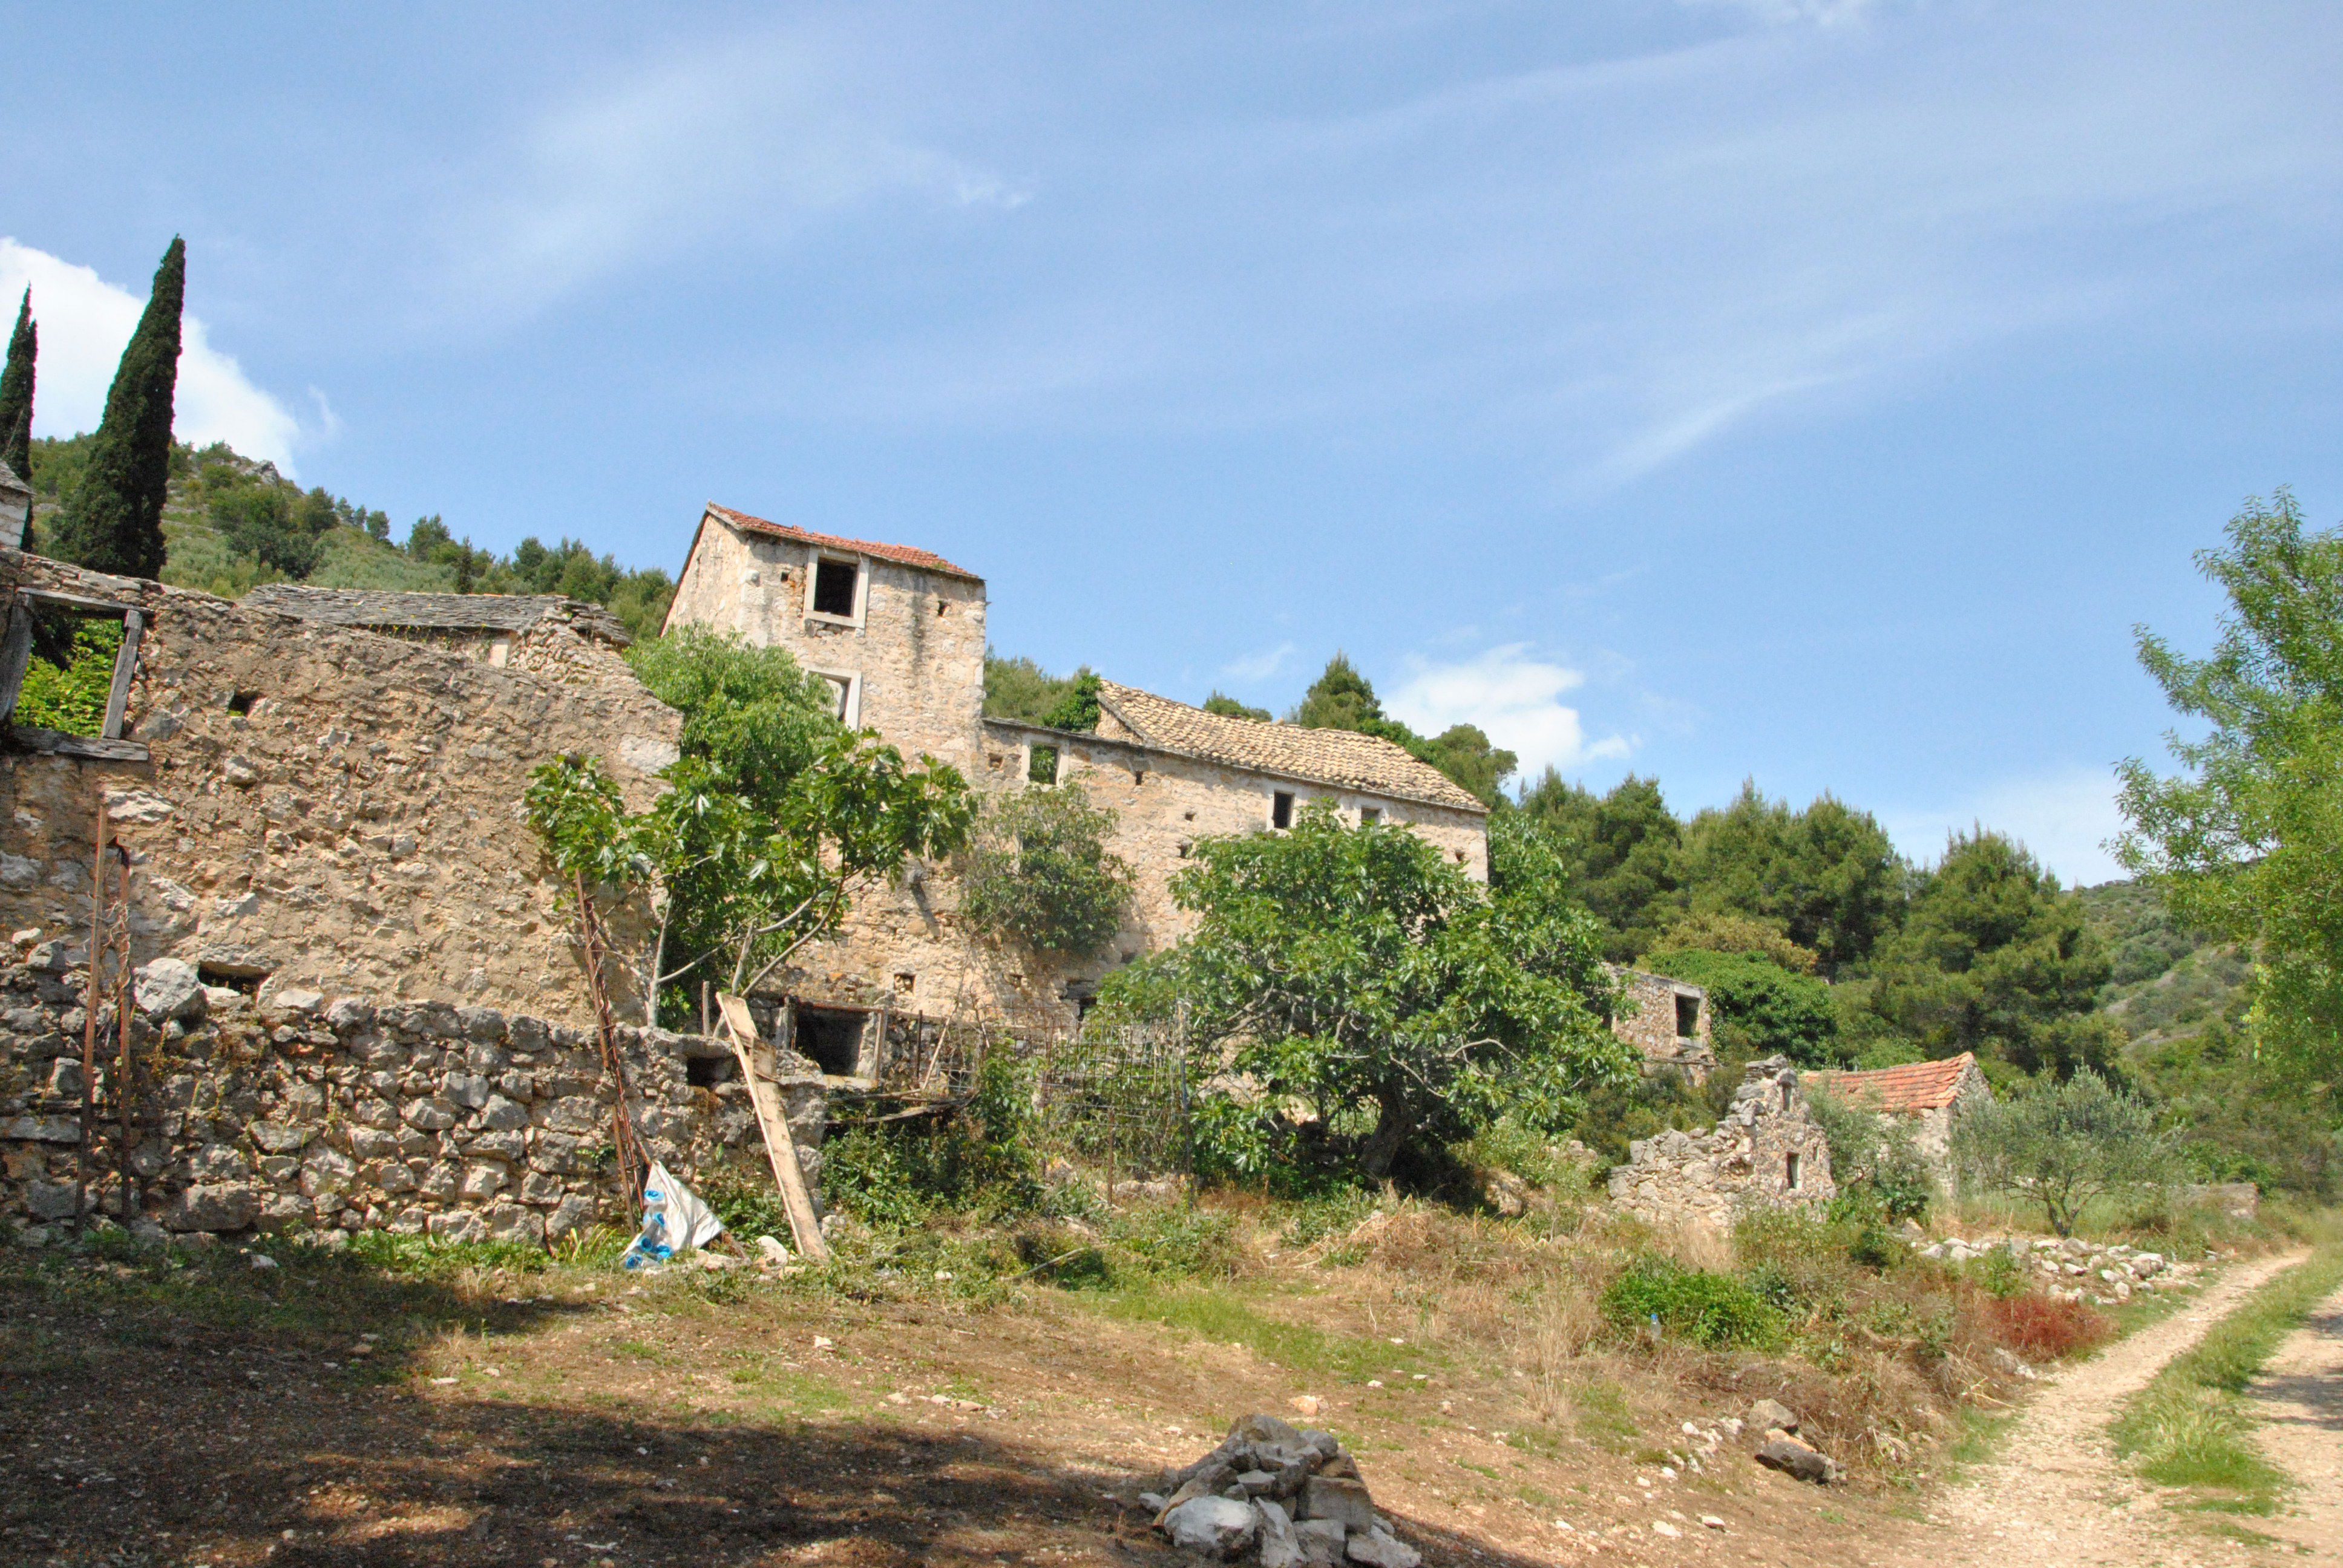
781,1149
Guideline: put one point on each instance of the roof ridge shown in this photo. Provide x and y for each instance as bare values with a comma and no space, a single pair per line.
905,555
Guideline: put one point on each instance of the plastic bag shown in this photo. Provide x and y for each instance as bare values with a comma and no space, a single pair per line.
674,1221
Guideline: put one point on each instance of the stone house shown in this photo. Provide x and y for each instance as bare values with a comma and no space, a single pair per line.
1927,1096
1668,1020
900,633
1768,1152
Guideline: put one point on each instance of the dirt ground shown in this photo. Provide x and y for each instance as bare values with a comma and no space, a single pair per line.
2298,1400
600,1420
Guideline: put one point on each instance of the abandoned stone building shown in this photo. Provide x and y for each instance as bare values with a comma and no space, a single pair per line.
1768,1152
359,1001
899,632
1668,1021
1929,1097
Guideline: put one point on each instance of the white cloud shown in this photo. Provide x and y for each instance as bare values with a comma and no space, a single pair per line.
1259,665
1513,696
2066,817
85,321
1822,13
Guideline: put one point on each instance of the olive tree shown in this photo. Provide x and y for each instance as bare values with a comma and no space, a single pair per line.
2061,1145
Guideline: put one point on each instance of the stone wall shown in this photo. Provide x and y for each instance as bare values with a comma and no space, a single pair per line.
1767,1152
1649,1022
331,809
298,1115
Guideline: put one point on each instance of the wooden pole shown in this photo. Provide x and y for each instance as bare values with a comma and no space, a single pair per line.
125,1069
90,1016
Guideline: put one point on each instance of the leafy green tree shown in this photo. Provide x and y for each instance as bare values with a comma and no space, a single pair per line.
1020,688
259,520
1620,854
1041,872
1077,707
779,815
1874,1160
1340,698
1997,957
114,520
16,396
1829,873
2246,842
2062,1145
1362,998
1467,755
1228,707
1760,1008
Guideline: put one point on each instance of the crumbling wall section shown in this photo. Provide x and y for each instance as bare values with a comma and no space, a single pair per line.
333,810
298,1115
1768,1152
1649,1022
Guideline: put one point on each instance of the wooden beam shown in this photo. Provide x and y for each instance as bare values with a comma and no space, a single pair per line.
74,601
64,744
125,665
15,655
772,1120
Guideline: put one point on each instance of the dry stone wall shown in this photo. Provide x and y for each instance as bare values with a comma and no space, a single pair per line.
1768,1152
301,1115
331,809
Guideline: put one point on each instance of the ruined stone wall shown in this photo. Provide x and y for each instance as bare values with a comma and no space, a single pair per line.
907,946
297,1115
1743,1163
1648,1023
355,829
917,651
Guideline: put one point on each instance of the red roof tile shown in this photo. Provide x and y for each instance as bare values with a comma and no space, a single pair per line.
1915,1087
908,555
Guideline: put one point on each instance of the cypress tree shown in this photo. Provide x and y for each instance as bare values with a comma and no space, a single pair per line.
114,521
16,393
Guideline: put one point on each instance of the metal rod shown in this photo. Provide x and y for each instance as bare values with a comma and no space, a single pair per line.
89,1017
124,1080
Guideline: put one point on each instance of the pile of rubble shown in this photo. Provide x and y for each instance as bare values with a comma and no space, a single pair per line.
1272,1494
2073,1269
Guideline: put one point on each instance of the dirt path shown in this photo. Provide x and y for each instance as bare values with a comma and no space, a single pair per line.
2058,1497
2298,1399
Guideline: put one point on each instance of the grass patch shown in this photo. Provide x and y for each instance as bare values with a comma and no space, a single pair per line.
2191,1428
1217,1316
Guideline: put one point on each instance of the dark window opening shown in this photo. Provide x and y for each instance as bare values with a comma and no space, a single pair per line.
1185,845
905,981
1370,815
1460,857
232,977
1041,765
1281,810
1785,1104
1138,776
833,1039
706,1072
940,607
833,588
242,702
1687,1016
1790,1172
842,695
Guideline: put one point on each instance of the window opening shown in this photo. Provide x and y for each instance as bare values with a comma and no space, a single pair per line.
65,665
1687,1016
905,981
232,977
706,1072
1790,1172
1041,765
1138,776
1281,810
1370,815
1785,1097
833,1039
833,588
242,702
842,695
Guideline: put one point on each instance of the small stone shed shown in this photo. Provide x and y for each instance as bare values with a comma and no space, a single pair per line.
1668,1020
1769,1151
1928,1095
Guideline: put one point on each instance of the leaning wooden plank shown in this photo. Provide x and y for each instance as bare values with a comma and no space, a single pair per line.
772,1120
15,655
125,665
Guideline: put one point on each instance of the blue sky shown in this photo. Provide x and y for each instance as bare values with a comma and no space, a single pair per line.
1812,392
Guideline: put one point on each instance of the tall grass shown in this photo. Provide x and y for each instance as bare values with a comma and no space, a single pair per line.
2191,1428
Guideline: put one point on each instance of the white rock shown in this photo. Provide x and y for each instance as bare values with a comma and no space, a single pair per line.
1661,1527
1321,1539
136,806
1279,1548
170,988
1212,1526
1378,1550
263,1261
1712,1522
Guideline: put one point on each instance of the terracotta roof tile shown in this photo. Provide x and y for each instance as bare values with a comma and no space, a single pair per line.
1339,757
906,555
1915,1087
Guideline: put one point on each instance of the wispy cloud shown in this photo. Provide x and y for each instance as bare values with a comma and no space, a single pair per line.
1513,696
85,322
1259,665
2065,817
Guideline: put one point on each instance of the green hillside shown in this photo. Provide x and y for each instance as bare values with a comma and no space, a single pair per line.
233,523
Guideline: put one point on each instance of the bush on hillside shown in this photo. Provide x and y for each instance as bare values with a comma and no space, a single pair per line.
1709,1309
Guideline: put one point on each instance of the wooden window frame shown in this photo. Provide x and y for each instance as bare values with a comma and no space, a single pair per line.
16,656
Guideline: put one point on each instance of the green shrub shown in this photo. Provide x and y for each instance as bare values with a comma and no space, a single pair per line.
1713,1309
978,1160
